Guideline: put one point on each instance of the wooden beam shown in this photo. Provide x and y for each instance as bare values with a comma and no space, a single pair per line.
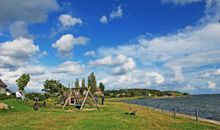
94,100
66,101
87,93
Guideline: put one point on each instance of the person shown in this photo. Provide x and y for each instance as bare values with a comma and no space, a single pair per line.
103,98
36,104
96,99
19,95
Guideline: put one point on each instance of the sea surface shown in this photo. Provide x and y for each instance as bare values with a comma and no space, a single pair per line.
208,105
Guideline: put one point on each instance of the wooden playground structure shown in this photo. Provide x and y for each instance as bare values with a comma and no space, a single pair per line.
75,95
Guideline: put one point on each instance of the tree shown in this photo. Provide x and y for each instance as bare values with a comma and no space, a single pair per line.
93,82
53,87
83,86
22,81
102,87
77,83
89,82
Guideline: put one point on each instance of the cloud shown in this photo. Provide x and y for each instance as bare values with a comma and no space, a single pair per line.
103,19
67,20
187,54
19,29
119,64
129,65
31,11
37,76
178,74
115,14
90,53
181,2
43,54
205,75
67,42
211,85
188,88
217,72
154,78
65,72
195,48
69,67
17,52
138,78
210,73
110,61
118,13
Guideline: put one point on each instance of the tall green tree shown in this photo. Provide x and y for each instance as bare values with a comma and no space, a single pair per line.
83,86
53,87
22,81
77,83
83,83
93,82
89,82
102,87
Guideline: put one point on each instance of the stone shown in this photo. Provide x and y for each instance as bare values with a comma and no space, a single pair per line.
3,106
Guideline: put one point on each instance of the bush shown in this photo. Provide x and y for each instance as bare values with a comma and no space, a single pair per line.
4,96
41,97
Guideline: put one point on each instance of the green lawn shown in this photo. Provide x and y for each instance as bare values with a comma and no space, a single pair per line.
111,116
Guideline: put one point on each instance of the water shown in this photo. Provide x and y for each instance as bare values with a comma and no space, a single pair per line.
207,105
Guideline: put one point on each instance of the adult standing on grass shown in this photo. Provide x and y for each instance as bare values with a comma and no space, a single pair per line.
96,99
22,82
103,98
36,104
19,95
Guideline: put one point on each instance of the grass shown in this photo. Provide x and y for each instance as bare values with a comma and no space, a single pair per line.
111,116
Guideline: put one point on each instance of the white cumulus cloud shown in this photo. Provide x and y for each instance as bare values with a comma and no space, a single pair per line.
104,19
90,53
69,67
67,42
17,52
120,64
211,85
115,14
181,2
154,78
118,13
67,20
178,76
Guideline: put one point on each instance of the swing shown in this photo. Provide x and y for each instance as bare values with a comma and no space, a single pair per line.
80,106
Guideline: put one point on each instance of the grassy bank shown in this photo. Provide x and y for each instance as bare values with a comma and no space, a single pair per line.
111,116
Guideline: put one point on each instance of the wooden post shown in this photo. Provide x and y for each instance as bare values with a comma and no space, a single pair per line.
94,100
84,100
162,108
67,100
197,115
174,112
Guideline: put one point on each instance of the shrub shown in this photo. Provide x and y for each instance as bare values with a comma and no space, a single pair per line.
4,96
41,97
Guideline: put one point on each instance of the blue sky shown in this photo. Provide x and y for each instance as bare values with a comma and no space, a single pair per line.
158,44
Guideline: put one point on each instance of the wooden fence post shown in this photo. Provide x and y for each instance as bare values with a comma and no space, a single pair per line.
174,112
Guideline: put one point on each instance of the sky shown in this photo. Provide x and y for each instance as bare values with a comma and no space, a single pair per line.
154,44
